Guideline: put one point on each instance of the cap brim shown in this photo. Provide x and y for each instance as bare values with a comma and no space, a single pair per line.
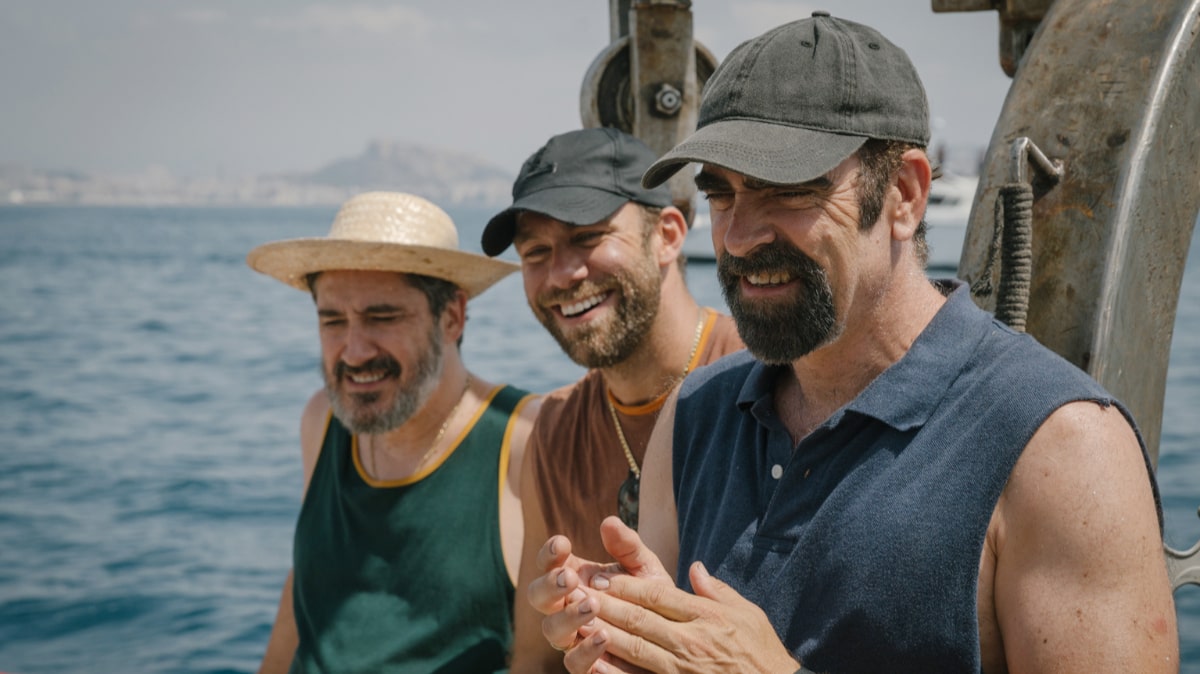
573,205
291,261
773,153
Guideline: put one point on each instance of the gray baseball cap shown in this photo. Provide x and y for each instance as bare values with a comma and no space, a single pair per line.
579,177
790,105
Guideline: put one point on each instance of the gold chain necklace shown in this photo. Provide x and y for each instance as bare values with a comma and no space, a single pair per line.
436,440
633,467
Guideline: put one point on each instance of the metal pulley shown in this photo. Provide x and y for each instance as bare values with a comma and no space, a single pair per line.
605,98
647,81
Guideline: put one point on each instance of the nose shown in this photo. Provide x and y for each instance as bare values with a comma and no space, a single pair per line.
740,229
360,346
567,267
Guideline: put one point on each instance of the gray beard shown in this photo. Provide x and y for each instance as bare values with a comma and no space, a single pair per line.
353,413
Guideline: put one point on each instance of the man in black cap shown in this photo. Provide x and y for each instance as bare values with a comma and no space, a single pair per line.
600,258
889,480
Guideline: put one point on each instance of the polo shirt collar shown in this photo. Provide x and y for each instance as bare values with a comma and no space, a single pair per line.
906,394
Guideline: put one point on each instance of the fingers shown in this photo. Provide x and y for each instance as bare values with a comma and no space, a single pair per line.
586,655
651,595
627,548
561,628
711,587
554,552
549,593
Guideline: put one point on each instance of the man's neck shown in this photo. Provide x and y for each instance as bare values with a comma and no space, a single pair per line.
416,434
830,377
661,359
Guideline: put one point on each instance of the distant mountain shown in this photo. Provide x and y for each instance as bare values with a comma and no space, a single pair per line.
444,177
438,175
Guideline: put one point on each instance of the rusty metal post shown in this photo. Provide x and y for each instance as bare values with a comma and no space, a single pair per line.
1110,89
663,81
647,82
1019,20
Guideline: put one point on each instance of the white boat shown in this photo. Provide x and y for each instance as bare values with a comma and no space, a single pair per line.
950,199
947,213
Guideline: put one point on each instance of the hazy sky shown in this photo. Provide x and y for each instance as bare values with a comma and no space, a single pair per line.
239,87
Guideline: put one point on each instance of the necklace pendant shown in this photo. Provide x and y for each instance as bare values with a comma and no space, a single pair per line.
627,501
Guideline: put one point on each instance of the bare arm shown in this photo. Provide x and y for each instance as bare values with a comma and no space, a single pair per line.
512,499
281,646
658,522
531,651
1080,583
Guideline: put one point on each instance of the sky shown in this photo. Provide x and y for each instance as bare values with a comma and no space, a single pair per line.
230,88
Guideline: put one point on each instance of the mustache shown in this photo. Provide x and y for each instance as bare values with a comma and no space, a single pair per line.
775,256
385,364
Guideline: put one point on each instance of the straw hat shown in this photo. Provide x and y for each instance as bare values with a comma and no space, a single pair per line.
382,231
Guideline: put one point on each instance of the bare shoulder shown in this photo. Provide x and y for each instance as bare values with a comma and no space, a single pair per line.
313,422
519,430
1079,580
1084,453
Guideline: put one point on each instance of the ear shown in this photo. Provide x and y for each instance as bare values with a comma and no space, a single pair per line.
672,230
912,194
454,317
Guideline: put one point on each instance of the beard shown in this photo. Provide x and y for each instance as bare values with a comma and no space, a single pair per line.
607,342
779,332
363,413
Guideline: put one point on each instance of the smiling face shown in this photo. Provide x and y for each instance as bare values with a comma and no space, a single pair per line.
595,288
381,348
791,259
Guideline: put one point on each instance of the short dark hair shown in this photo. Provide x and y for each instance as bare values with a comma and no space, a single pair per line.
879,161
438,292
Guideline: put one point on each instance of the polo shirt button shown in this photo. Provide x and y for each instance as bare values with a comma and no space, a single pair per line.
777,471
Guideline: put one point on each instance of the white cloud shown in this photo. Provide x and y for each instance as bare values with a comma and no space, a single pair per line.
405,22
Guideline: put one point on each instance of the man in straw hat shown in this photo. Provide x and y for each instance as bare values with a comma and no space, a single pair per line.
600,258
409,538
889,480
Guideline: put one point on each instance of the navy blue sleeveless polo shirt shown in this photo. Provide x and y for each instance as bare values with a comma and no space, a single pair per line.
862,543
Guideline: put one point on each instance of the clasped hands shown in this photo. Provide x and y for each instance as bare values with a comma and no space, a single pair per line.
628,616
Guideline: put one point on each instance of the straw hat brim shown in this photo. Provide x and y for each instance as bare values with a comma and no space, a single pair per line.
292,260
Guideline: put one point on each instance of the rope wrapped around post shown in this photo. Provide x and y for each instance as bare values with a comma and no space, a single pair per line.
1016,261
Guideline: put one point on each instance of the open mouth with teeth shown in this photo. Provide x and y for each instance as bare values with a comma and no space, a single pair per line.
368,373
576,309
366,377
777,278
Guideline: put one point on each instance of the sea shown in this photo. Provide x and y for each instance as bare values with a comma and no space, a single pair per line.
150,393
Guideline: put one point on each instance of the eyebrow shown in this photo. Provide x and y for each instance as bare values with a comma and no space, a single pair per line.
706,181
370,309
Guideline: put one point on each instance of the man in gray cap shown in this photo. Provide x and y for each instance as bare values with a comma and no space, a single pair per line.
889,480
600,258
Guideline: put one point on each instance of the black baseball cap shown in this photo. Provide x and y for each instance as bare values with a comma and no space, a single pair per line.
580,177
791,104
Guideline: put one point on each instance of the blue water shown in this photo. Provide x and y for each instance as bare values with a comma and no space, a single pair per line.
150,390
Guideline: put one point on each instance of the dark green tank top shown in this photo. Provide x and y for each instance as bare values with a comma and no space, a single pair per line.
406,576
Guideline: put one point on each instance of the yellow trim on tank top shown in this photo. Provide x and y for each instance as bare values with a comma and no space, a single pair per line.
506,446
710,319
417,477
